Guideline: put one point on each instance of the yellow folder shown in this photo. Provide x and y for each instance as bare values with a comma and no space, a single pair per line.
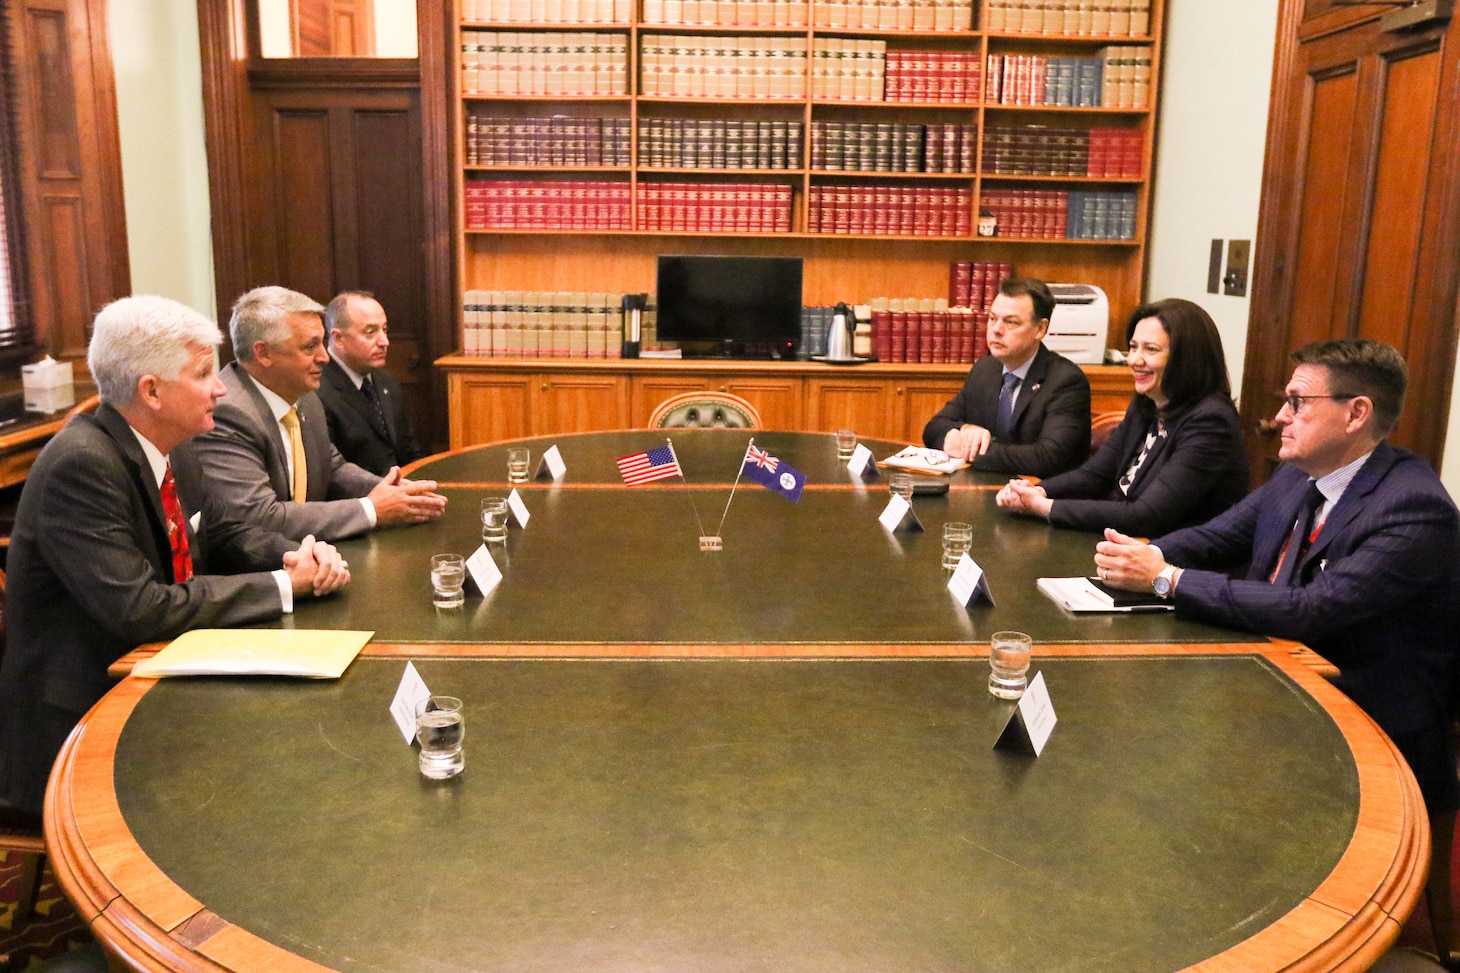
305,653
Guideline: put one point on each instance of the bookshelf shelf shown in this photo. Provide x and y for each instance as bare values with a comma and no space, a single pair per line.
953,145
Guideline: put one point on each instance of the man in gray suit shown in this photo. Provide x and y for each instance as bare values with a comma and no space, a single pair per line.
118,538
270,454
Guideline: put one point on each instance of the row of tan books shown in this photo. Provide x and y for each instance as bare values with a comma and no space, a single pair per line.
544,63
723,67
546,11
1080,18
727,13
902,15
542,324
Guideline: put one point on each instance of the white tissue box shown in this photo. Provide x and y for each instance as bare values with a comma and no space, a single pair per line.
49,386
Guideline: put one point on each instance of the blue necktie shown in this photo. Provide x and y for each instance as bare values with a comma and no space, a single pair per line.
1004,424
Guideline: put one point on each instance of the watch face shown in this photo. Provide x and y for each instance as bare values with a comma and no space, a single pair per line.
1161,586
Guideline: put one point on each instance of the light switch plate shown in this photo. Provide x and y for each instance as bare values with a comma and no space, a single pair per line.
1235,281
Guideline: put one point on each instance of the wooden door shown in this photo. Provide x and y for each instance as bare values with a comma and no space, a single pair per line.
579,402
1360,219
487,407
867,405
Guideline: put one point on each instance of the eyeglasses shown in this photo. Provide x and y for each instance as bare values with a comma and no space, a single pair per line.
1295,402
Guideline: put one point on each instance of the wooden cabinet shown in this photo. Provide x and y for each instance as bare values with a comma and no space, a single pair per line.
494,399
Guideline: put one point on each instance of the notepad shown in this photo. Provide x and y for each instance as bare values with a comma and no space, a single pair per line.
302,653
1091,595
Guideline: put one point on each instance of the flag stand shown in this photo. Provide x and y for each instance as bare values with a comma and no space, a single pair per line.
709,543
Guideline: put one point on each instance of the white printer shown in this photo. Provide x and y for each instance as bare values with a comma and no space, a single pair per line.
1080,322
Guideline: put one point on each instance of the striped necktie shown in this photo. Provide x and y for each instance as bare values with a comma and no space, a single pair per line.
1004,423
177,530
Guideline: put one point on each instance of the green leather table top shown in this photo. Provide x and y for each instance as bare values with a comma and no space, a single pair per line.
728,815
611,564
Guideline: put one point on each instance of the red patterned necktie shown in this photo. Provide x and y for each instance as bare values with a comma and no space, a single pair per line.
177,531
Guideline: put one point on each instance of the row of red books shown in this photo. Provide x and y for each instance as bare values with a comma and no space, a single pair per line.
1036,150
521,205
890,210
1037,214
1116,152
930,337
975,283
933,76
715,207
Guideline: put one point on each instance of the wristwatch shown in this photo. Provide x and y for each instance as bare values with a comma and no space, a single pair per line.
1165,584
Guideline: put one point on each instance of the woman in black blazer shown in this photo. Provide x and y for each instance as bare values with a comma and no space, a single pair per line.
1176,459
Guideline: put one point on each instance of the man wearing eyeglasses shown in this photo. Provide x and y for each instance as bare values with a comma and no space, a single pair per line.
1353,548
1023,409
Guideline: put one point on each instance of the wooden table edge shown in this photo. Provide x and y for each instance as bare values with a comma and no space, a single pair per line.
1354,915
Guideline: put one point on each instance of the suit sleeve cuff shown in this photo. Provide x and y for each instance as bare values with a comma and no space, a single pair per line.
286,590
369,511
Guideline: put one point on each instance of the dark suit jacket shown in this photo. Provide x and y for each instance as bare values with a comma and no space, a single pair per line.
1051,416
354,426
1379,589
1195,472
244,455
90,578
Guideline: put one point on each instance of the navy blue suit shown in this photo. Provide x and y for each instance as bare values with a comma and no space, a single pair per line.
1377,594
1051,431
1195,472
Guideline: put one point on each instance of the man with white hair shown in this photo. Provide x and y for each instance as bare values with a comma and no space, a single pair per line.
118,538
271,457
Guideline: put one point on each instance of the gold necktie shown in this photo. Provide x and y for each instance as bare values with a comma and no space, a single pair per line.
296,449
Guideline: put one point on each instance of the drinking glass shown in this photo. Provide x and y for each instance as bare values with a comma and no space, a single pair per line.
957,539
448,575
440,729
1009,664
517,459
846,441
902,485
494,520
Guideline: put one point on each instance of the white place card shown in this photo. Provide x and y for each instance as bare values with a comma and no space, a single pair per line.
969,583
551,464
408,696
892,514
1032,721
483,570
862,464
519,510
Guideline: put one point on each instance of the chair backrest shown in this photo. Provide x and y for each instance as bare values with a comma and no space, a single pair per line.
1101,427
87,404
705,410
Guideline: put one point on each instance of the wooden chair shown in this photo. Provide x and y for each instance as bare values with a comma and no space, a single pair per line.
18,835
87,404
1101,427
705,410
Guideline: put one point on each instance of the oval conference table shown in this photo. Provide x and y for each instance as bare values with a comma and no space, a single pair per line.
778,756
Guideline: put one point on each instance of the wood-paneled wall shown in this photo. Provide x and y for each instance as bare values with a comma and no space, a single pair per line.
70,167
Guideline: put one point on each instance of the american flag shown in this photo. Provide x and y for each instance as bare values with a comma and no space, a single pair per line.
761,458
652,464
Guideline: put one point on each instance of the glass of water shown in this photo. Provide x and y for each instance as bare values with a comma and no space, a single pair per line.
957,540
902,485
517,460
448,575
440,729
494,520
846,442
1009,664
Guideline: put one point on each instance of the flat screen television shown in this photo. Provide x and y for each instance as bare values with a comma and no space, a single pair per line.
744,305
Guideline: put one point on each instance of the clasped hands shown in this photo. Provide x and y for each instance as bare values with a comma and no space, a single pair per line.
316,568
398,500
1022,497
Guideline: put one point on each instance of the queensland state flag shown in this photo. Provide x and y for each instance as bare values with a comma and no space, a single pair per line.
772,474
651,464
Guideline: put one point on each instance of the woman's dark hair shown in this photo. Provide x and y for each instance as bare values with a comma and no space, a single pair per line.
1195,365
